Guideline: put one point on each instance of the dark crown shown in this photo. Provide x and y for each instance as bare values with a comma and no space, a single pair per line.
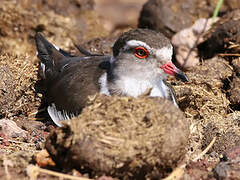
154,39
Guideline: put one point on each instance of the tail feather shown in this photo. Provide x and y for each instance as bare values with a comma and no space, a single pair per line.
47,53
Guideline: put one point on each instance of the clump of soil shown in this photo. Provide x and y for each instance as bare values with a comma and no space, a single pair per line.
222,37
123,137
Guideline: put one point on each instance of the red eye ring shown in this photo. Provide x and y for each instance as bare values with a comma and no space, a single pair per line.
141,52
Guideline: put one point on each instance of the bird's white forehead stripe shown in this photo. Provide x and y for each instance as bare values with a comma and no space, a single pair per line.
165,53
135,43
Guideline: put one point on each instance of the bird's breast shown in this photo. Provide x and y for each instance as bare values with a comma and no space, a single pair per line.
129,86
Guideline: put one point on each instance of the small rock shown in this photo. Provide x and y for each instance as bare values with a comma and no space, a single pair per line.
188,36
31,125
186,58
10,129
186,40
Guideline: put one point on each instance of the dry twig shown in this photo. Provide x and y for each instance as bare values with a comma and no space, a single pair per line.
229,54
6,163
18,142
33,172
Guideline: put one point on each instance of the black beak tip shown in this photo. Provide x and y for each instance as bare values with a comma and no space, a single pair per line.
181,76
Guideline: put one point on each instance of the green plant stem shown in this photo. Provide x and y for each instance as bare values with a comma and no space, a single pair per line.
216,11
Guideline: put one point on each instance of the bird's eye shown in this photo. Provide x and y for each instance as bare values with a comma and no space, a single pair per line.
141,52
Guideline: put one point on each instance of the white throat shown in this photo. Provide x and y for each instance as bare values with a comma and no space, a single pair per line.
130,86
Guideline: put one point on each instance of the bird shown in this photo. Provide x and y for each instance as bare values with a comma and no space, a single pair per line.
141,60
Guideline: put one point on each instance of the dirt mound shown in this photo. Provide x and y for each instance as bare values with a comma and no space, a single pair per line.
123,137
203,95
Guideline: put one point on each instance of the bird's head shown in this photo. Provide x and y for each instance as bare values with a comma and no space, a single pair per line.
144,50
